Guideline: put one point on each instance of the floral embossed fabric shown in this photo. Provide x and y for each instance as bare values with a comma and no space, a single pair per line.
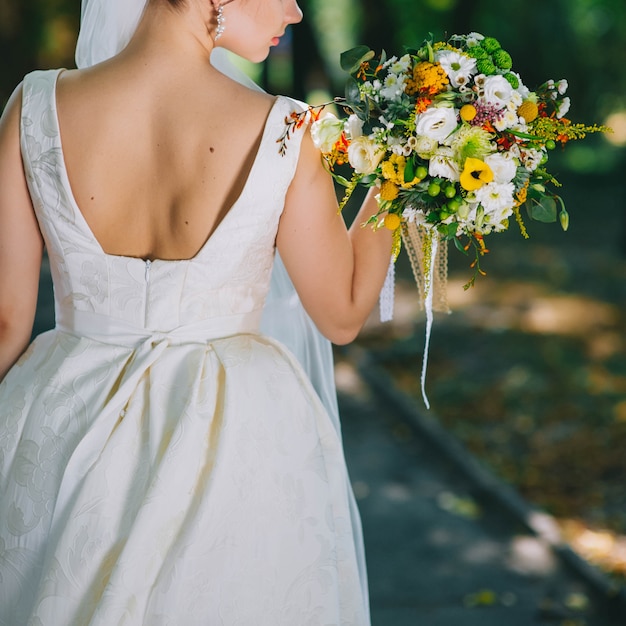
161,462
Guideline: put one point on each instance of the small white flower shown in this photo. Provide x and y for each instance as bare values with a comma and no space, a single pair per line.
402,65
531,159
497,90
326,131
442,164
479,80
414,215
508,119
457,66
503,167
364,155
562,86
562,107
436,123
474,38
394,87
353,127
497,200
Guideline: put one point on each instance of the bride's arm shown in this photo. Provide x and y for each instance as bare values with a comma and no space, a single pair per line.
338,272
21,245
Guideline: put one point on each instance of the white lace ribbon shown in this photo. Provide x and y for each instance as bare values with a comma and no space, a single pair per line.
428,306
386,298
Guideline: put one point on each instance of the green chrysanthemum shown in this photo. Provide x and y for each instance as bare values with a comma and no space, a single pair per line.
502,59
478,53
470,142
513,80
485,66
490,44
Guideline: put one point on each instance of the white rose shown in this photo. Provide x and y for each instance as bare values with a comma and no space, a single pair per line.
424,146
497,90
326,132
502,166
364,155
436,123
354,126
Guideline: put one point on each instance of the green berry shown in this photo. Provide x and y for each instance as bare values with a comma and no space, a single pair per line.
421,172
453,205
490,44
485,66
443,215
502,59
434,189
550,144
450,191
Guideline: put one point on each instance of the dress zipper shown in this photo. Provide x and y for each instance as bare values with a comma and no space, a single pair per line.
147,279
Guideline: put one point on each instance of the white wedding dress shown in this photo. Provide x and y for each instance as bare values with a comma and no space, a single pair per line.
161,462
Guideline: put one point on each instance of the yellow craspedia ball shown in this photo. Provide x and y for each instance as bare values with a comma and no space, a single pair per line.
388,191
468,112
392,221
528,110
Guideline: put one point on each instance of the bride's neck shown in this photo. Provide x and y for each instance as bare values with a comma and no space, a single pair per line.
171,37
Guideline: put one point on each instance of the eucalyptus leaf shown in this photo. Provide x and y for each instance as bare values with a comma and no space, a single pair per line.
542,209
352,59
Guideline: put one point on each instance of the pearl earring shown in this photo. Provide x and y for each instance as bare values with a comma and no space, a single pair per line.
221,23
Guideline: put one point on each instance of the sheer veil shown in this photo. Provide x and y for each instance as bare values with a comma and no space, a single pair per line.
106,28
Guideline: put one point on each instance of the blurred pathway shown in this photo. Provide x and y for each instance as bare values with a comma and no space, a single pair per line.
442,550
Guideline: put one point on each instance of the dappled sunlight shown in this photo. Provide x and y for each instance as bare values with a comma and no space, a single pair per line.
531,556
604,548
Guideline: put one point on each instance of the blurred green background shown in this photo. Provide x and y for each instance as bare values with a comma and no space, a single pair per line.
529,371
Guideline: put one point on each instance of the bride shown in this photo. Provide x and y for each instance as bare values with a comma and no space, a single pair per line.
161,460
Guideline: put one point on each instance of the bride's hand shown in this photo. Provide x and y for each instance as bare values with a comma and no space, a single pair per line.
337,272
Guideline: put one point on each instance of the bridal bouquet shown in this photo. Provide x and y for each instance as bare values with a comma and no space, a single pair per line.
455,140
458,146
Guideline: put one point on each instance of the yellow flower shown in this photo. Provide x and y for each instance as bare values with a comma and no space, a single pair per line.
528,110
393,170
428,78
475,174
468,112
392,221
388,191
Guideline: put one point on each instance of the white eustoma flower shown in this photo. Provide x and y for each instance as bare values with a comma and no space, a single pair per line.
562,86
364,155
497,90
436,123
442,164
457,66
503,167
354,126
326,131
562,107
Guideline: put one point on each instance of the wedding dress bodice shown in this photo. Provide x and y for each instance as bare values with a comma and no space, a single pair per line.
226,281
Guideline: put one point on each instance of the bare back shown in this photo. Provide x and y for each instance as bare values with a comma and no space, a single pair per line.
157,159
